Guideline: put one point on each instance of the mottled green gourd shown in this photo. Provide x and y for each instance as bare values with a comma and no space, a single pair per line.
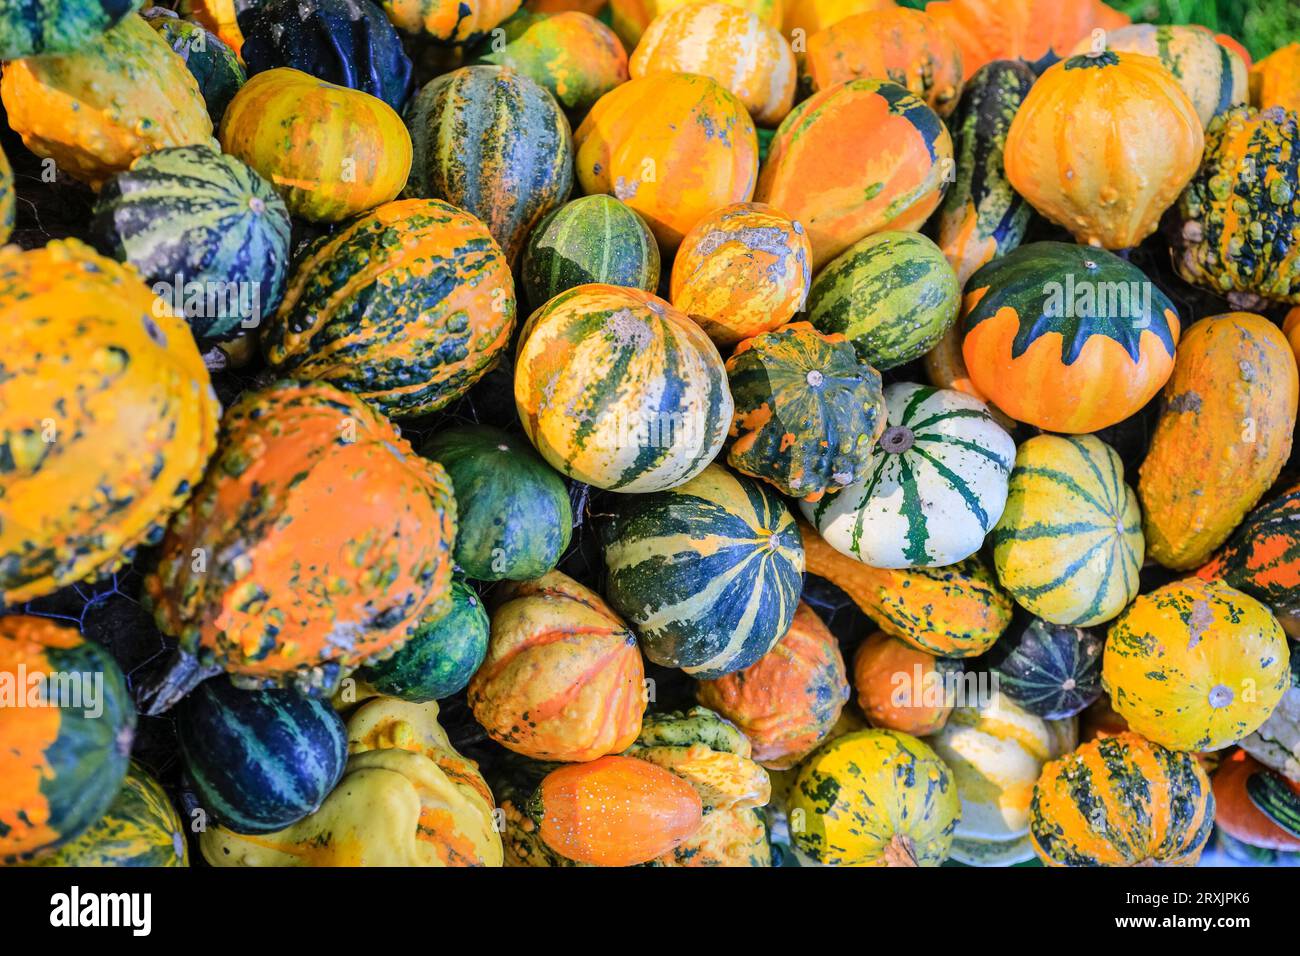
513,509
213,65
34,27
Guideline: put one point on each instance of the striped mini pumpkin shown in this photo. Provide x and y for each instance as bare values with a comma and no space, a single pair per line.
618,389
493,142
1069,545
407,307
575,57
934,486
708,573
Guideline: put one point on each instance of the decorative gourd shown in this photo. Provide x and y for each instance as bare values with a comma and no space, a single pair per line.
1039,32
1214,78
563,675
346,42
788,700
340,539
982,217
214,66
709,753
728,44
448,21
900,44
191,214
708,573
1069,546
1240,241
934,486
8,199
512,510
630,18
614,811
406,799
807,411
742,270
61,764
591,239
407,307
673,146
802,19
1275,80
442,655
1122,801
618,389
51,27
1277,798
512,171
331,152
107,417
573,56
1236,814
860,157
1083,320
892,294
218,16
957,611
95,110
996,751
1222,439
1277,742
1195,665
902,688
1104,171
1291,329
1051,670
1235,46
874,798
1263,560
259,760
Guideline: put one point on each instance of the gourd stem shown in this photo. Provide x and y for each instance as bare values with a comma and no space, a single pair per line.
182,675
899,852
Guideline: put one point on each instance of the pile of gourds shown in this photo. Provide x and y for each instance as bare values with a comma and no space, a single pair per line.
649,433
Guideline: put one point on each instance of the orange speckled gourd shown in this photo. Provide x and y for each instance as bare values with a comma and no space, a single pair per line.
630,18
788,700
448,21
731,45
903,45
615,811
563,676
1222,438
94,111
331,152
1275,80
1195,665
1103,144
219,16
325,538
885,673
858,158
742,270
107,417
673,146
574,56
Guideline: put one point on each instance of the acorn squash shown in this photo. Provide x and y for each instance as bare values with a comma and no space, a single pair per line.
448,21
1222,438
51,27
900,687
1051,670
1275,80
1237,815
107,417
214,66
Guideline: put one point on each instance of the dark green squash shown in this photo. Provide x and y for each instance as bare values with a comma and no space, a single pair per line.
259,760
213,64
1051,670
207,219
512,508
1276,799
35,27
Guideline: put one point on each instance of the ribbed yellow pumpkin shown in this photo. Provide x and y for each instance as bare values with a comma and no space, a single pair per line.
1275,80
1103,145
1196,665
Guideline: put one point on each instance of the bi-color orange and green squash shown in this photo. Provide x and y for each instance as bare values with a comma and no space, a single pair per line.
1222,438
63,760
620,390
672,146
573,56
902,45
94,110
448,21
900,687
857,158
1275,80
341,538
1196,665
563,675
406,307
741,270
630,18
107,417
1236,814
1103,144
331,152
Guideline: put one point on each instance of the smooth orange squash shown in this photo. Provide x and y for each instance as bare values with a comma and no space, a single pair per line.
1237,816
1275,80
900,687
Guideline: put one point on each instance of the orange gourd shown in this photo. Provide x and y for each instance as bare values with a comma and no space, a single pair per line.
1275,80
630,18
901,687
1237,816
804,18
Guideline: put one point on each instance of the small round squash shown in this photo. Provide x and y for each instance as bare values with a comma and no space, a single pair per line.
901,687
572,55
1051,670
448,21
1236,814
1275,80
742,270
213,64
1196,665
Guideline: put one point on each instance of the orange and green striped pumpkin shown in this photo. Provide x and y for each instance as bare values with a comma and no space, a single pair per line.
407,307
619,390
573,56
62,758
672,146
330,152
